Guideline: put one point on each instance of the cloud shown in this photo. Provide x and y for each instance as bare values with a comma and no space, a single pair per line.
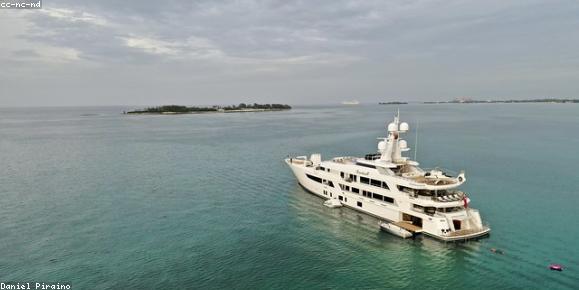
73,16
150,45
416,48
19,50
192,47
25,53
48,54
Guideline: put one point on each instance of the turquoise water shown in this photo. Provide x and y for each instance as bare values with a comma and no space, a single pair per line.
103,200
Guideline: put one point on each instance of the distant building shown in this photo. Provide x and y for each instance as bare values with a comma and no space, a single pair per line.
464,99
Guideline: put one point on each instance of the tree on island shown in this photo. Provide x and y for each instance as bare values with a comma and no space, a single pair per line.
184,109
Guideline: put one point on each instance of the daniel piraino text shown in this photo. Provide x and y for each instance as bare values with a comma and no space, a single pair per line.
34,285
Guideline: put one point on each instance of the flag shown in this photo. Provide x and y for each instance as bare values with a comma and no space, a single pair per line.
466,201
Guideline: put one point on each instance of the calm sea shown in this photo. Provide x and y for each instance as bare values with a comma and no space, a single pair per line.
103,200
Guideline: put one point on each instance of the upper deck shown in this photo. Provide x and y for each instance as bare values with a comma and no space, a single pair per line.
406,170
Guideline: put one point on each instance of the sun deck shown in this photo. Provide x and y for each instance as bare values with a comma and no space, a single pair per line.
404,169
345,160
433,181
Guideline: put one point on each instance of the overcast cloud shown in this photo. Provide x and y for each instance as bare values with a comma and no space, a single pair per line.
81,52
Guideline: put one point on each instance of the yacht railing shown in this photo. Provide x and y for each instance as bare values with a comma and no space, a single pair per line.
455,195
445,171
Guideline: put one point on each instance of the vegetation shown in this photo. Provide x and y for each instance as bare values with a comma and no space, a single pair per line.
175,109
257,106
393,103
471,101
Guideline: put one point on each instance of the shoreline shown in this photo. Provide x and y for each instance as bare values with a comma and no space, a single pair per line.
205,112
527,101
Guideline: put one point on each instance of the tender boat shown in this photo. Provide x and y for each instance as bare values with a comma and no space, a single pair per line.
396,230
332,203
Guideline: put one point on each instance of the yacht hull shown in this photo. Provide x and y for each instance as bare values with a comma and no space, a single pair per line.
399,210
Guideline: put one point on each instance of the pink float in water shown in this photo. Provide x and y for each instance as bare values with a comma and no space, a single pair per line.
556,267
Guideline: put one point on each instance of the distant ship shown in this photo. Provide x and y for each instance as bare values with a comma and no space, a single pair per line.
407,199
352,102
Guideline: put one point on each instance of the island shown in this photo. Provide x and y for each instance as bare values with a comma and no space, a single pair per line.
393,103
175,109
467,100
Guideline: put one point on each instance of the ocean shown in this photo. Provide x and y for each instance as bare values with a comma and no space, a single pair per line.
103,200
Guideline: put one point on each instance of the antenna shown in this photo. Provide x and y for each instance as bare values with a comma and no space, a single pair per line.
416,142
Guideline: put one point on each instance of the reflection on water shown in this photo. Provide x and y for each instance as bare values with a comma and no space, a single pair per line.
362,231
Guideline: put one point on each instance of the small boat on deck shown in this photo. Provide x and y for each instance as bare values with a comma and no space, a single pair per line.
396,230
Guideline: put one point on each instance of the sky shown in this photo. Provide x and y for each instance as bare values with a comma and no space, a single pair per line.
110,52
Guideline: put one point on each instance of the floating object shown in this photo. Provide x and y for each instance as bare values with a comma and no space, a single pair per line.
497,251
395,230
556,267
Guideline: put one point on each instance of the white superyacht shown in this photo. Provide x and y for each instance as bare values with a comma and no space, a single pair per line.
408,199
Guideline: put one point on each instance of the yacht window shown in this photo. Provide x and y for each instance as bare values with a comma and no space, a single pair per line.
430,210
388,199
340,197
366,165
405,189
375,182
385,185
449,209
355,190
330,184
314,178
377,196
359,203
364,180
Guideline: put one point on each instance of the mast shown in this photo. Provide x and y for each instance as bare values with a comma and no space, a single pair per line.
392,146
416,142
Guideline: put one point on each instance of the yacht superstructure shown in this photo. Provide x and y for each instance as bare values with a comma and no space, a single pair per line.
393,188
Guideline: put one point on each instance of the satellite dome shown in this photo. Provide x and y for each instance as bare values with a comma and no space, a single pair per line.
402,143
392,127
381,146
404,126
